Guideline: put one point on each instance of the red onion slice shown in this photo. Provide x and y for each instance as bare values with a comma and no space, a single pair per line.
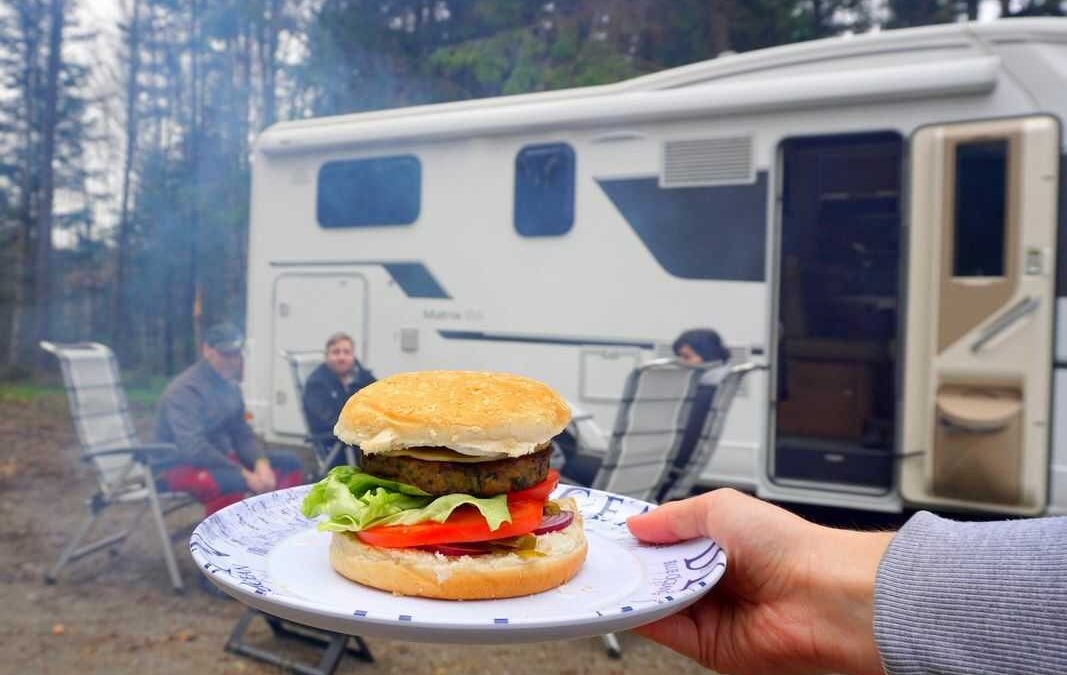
454,550
554,523
548,524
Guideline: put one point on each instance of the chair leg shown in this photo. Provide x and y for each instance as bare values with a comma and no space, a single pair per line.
134,522
164,536
71,547
334,645
611,643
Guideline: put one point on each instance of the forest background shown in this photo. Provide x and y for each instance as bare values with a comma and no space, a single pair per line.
125,148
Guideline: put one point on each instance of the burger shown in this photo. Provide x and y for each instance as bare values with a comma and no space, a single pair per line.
452,498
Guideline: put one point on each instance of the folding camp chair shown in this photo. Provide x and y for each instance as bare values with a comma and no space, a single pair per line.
121,463
649,426
334,645
684,475
325,445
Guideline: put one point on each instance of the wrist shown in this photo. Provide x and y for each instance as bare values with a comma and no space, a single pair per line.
844,573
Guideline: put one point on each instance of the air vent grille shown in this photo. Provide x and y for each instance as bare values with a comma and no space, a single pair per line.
707,161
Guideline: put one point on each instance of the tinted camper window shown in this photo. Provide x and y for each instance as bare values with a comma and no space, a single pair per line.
544,190
369,192
981,192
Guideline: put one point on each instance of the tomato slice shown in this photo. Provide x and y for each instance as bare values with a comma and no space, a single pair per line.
537,493
465,524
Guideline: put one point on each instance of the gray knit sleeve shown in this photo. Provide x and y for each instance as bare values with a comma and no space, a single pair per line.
973,598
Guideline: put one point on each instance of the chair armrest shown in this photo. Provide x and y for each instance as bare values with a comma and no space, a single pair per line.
144,452
589,438
747,367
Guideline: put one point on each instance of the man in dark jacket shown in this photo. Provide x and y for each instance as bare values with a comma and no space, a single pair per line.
330,385
202,412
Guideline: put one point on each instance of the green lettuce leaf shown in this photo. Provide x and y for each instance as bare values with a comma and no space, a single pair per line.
352,501
494,510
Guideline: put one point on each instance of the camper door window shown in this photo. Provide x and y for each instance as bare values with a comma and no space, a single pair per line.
369,192
980,195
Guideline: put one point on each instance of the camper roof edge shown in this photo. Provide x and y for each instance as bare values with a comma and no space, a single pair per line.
942,38
970,75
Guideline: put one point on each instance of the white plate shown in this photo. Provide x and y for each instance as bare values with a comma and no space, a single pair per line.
263,552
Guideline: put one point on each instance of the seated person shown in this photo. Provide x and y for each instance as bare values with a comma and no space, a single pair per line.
202,412
701,345
331,384
696,347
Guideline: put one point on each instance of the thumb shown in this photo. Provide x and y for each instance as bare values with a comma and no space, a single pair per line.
674,521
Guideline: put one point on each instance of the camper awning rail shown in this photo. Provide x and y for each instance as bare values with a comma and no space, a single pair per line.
965,76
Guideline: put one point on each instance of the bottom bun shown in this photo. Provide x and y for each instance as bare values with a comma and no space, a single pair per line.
407,571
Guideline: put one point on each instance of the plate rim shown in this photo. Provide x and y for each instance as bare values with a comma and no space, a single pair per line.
464,627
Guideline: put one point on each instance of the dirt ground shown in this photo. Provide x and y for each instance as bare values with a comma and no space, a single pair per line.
118,614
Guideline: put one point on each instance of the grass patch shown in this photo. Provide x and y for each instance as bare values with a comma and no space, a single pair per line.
27,392
141,394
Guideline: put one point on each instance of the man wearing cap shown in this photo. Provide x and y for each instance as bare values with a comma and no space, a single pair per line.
202,412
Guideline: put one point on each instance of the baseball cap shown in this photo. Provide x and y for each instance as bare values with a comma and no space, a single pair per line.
224,337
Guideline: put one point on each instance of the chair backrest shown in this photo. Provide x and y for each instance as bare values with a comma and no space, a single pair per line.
726,391
325,446
99,408
648,428
301,365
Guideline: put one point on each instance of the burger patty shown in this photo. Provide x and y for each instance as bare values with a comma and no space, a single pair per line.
481,479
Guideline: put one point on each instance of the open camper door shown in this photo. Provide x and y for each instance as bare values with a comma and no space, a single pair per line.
978,340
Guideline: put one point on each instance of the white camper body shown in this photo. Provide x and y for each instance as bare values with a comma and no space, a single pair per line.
876,217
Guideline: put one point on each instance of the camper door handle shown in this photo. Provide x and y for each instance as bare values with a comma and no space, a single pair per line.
1002,323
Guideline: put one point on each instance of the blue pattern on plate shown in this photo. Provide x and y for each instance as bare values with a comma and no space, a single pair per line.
234,544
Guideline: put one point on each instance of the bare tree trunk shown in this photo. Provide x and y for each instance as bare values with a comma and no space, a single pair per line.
722,12
168,329
121,328
15,338
29,25
190,337
42,259
268,49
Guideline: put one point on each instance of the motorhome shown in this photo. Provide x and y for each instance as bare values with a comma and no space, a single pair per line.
873,216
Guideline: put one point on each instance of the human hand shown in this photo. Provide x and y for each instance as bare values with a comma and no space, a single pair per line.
261,479
796,597
267,479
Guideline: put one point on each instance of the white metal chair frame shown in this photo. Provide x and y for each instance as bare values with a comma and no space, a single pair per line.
590,439
122,464
655,405
325,446
333,645
682,479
